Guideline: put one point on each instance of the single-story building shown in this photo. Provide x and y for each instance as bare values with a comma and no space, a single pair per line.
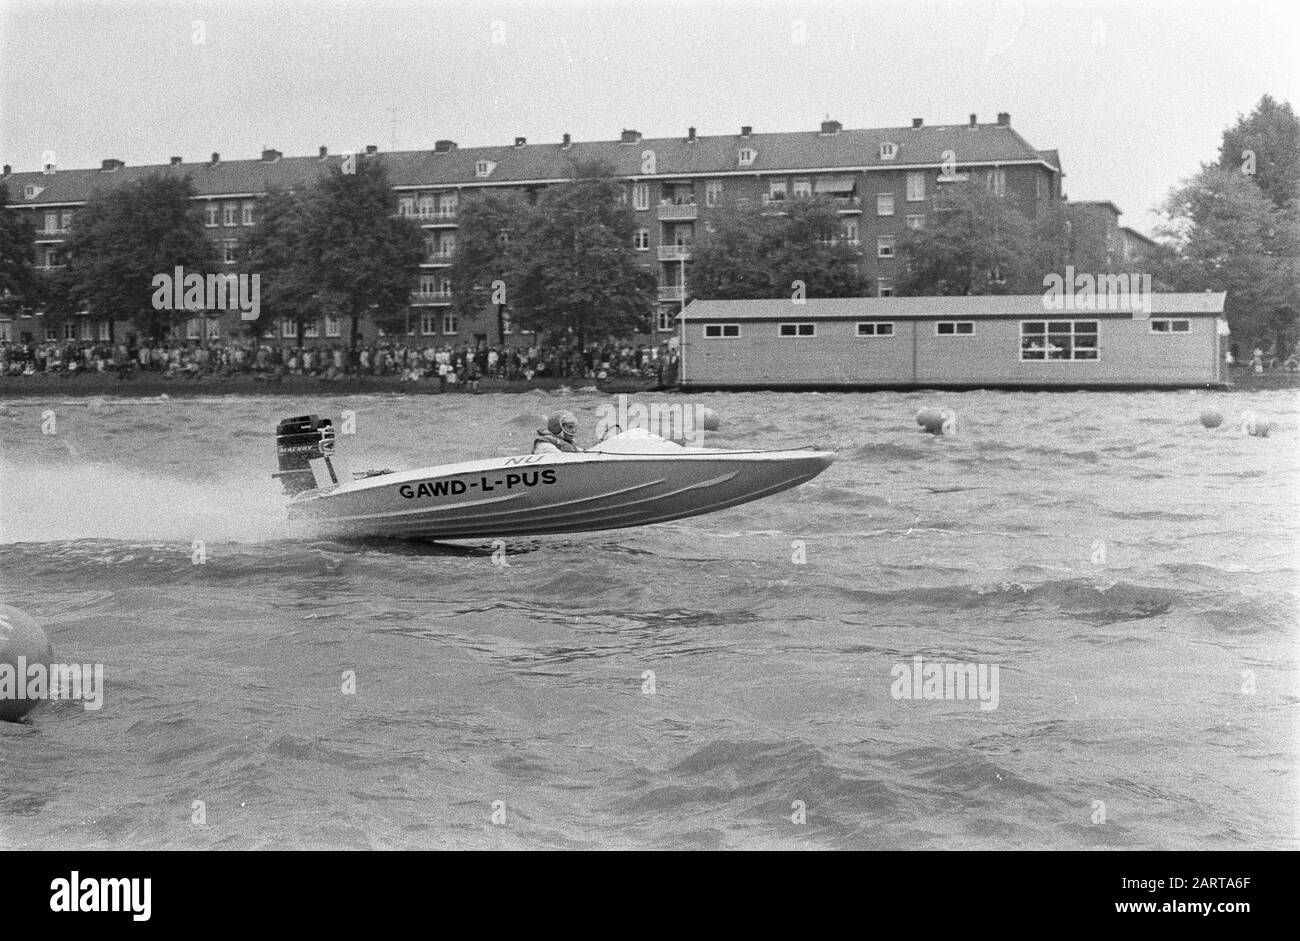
1000,341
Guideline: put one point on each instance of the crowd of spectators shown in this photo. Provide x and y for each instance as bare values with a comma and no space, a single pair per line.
452,367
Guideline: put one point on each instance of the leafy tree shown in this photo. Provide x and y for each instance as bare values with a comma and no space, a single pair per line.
274,250
17,256
971,236
1269,138
754,253
574,269
1225,234
125,236
486,229
357,252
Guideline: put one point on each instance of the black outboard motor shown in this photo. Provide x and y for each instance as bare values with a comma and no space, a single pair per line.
299,441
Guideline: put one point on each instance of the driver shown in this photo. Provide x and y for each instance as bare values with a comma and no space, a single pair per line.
558,435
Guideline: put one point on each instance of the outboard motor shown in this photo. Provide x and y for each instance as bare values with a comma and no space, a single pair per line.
299,442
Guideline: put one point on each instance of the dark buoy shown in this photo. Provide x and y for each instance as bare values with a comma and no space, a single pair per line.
22,643
1211,417
710,420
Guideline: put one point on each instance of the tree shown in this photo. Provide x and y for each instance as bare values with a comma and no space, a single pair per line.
753,253
974,243
274,250
357,252
125,236
1265,146
574,268
1225,234
486,229
18,283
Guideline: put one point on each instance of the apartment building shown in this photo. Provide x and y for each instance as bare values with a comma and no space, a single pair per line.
883,181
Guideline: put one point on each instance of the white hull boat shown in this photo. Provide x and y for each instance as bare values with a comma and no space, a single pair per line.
630,479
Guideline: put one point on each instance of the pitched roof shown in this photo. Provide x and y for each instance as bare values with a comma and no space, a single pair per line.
904,308
674,156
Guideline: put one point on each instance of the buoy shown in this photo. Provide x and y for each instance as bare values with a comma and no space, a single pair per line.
1211,417
710,420
1252,424
22,644
937,422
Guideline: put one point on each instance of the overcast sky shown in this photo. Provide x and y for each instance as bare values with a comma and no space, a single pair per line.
1134,94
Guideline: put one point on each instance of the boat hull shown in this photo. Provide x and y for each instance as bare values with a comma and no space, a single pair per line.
540,494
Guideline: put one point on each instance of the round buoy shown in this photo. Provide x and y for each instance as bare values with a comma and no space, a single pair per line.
711,421
1211,417
927,415
1253,424
937,422
22,643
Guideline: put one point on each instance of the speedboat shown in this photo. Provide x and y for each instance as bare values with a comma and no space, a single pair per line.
632,478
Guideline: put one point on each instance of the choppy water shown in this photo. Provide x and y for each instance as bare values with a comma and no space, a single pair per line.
1124,682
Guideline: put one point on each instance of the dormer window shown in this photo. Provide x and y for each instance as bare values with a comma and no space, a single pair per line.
484,168
888,151
746,156
31,191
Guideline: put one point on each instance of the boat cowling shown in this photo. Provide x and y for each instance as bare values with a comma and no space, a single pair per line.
299,441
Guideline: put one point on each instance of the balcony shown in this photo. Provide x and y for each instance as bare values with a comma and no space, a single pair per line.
430,298
679,210
674,293
848,204
444,216
675,252
441,258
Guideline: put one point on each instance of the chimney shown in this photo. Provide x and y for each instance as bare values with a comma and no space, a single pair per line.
916,122
176,161
324,151
630,137
216,158
1004,118
520,141
109,165
444,146
690,135
371,150
270,156
746,130
8,169
568,142
831,127
973,120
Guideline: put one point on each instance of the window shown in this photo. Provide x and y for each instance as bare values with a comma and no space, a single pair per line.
229,252
311,329
801,188
214,329
997,182
428,324
427,207
192,329
51,222
884,204
875,329
666,318
1058,340
915,187
332,326
484,168
850,232
246,214
51,333
506,327
1171,326
450,324
106,329
997,275
444,287
428,283
641,240
916,222
746,156
952,328
228,212
87,330
210,213
885,246
884,287
406,206
446,245
776,189
713,192
888,151
288,328
640,195
721,330
69,329
798,330
65,218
